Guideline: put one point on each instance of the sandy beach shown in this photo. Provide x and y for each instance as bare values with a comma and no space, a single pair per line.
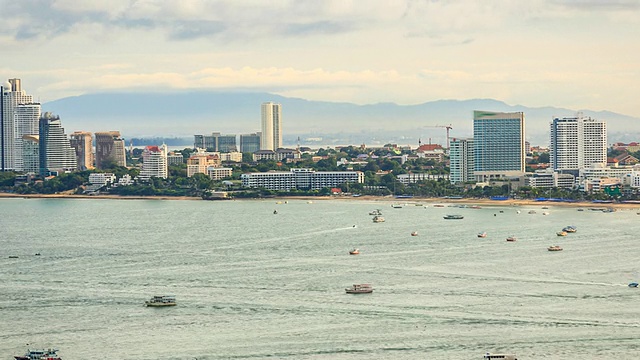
367,198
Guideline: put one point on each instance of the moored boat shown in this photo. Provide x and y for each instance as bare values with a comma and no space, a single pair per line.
48,354
161,300
490,356
633,284
482,234
511,238
354,252
359,289
378,219
570,229
453,217
531,212
554,248
561,233
375,212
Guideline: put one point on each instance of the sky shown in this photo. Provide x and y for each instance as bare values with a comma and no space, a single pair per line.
564,53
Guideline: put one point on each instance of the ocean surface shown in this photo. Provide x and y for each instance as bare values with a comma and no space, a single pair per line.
251,284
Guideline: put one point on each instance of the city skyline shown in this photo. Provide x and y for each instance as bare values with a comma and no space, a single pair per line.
548,52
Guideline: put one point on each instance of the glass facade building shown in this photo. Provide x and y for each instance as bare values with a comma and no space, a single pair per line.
498,144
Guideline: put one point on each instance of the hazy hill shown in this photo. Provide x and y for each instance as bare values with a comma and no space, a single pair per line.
186,113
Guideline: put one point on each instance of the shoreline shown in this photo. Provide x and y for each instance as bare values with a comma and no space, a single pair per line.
365,198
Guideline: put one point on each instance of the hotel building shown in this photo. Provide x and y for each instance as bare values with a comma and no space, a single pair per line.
31,154
27,117
154,162
271,137
110,147
498,145
577,142
56,154
300,179
249,142
11,95
81,141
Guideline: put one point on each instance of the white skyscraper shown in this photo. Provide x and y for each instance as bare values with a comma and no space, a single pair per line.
461,160
11,95
26,119
154,162
577,142
56,154
271,138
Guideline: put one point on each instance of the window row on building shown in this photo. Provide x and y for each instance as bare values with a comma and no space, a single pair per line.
300,179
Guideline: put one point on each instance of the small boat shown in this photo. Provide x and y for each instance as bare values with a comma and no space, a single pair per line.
544,208
531,212
545,213
375,212
580,209
490,356
633,284
360,289
354,252
414,233
48,354
396,206
561,233
453,217
378,219
475,207
161,300
13,256
275,212
438,205
517,211
511,238
554,248
570,229
482,234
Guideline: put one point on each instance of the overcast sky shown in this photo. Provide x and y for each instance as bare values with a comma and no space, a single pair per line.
565,53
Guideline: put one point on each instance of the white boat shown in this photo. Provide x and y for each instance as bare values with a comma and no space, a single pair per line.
454,217
511,238
375,212
414,233
359,289
48,354
554,248
531,212
354,252
482,234
490,356
161,300
378,219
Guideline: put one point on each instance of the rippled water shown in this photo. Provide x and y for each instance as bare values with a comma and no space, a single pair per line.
253,285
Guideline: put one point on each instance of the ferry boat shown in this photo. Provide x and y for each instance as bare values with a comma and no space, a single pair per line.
378,219
453,217
375,212
511,238
482,234
359,289
48,354
161,300
490,356
354,252
554,248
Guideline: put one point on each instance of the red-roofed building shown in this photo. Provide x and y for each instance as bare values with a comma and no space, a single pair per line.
154,162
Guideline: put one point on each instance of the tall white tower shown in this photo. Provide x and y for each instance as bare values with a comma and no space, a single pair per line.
26,120
577,142
10,97
271,138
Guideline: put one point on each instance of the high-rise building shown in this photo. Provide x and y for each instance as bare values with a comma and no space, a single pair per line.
461,160
576,143
215,142
110,149
249,143
56,154
26,118
31,154
81,141
154,162
11,95
271,137
498,144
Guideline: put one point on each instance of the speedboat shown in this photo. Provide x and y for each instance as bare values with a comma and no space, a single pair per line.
354,252
554,248
482,234
633,284
161,300
490,356
48,354
511,238
453,217
359,289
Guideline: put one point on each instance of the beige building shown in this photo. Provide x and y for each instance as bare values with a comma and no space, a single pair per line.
110,147
200,161
219,173
81,141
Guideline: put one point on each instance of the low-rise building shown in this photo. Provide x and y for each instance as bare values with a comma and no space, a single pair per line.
99,180
412,178
175,158
199,162
549,179
300,179
219,173
231,157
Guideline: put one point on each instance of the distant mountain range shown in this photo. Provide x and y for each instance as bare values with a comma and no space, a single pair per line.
182,114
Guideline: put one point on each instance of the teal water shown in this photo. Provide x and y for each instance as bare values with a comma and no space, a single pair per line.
254,285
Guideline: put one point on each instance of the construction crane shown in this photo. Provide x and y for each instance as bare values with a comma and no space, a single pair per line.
448,127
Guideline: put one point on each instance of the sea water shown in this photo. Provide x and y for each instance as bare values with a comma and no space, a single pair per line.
251,284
